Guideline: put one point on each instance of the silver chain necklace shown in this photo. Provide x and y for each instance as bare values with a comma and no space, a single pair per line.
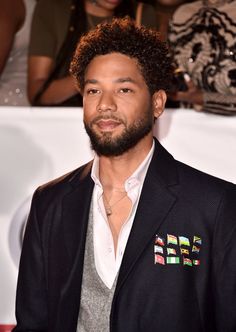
108,207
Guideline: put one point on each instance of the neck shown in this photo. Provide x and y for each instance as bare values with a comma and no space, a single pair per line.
96,10
114,171
215,3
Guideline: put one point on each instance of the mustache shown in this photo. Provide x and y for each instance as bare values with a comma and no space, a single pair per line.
106,117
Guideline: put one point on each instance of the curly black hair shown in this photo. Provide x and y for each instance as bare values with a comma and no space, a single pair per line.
122,35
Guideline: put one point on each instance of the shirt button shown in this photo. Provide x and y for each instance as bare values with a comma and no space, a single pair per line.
109,250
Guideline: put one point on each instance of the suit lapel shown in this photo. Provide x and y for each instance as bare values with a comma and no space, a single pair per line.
75,217
156,201
75,207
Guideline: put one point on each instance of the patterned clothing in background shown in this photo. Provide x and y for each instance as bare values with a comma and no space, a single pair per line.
202,38
13,81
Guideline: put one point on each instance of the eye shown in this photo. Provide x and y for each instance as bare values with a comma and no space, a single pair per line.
126,90
92,91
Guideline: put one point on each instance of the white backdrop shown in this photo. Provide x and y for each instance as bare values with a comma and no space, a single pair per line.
39,144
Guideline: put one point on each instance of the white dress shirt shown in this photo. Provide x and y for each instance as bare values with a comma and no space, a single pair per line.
108,262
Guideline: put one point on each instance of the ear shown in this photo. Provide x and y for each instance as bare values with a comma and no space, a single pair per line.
158,102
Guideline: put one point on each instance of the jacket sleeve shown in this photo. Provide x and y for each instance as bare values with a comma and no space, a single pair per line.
224,263
31,297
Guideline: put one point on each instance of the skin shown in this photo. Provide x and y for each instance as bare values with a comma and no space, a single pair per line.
115,87
193,95
12,15
170,2
102,8
40,67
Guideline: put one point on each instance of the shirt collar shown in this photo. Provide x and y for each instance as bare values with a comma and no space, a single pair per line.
137,177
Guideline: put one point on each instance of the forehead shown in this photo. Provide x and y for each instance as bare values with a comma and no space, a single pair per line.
113,64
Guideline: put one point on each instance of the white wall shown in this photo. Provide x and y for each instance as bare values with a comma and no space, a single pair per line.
37,145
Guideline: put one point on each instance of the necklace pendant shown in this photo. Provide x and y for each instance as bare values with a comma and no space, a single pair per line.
108,211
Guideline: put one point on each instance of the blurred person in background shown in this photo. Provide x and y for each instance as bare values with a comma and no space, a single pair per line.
57,26
165,10
15,22
202,39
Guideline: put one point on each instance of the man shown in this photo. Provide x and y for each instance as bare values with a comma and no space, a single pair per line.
134,240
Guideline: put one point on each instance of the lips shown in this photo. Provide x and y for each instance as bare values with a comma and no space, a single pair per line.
107,124
113,2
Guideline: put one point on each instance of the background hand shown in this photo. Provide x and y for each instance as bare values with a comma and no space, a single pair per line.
192,96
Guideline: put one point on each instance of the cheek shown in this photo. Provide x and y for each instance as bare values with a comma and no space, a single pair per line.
87,100
127,103
88,114
131,107
89,105
142,105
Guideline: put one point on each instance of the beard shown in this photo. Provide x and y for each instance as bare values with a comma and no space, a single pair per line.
106,145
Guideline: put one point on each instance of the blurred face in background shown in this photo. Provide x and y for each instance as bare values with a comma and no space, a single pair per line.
170,2
108,4
213,3
102,8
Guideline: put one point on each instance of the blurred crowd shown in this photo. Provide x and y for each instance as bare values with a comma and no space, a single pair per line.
38,39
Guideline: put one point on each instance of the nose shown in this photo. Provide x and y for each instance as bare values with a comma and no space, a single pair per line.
106,103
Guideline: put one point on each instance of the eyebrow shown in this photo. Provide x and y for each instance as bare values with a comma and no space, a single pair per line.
118,80
125,79
91,81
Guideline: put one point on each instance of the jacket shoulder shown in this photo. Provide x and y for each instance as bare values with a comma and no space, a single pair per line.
65,182
202,182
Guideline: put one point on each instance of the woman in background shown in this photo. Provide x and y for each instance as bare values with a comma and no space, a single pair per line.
56,29
15,22
203,42
165,10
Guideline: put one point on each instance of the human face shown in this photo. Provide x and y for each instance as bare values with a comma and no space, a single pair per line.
101,8
118,107
108,4
170,2
215,3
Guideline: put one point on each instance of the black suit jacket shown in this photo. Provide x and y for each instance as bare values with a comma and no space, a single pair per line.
178,272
